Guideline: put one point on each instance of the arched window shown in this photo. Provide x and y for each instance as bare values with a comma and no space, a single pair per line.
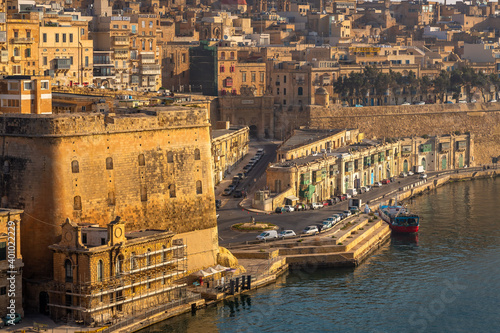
142,161
199,188
197,154
75,167
223,55
171,190
170,157
109,163
148,258
119,265
231,56
77,203
100,270
68,269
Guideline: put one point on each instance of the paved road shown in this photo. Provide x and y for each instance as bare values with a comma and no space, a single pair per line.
231,213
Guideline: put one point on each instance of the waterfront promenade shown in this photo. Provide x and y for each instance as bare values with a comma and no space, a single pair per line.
357,236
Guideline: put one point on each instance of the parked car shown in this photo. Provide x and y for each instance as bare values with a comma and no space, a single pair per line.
279,210
422,176
358,106
449,102
492,101
377,184
241,175
403,175
260,151
368,187
420,103
330,219
312,229
236,180
289,208
299,207
473,100
316,205
218,203
326,224
267,235
326,203
462,102
363,189
337,217
227,191
406,103
348,196
247,167
238,194
286,234
386,181
342,197
347,213
410,173
354,209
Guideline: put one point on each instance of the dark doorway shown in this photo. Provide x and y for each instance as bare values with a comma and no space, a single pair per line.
43,299
253,131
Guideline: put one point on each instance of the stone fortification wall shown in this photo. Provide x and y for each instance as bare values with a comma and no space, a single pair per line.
154,170
480,119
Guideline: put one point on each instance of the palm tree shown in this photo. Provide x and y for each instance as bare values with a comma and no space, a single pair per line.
441,85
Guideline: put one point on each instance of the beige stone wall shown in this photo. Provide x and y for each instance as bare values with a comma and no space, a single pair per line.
42,181
480,119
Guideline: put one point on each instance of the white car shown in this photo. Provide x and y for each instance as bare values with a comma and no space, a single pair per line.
377,184
492,101
286,234
422,176
289,208
410,173
310,230
462,102
316,205
337,217
368,187
403,175
266,235
406,103
420,103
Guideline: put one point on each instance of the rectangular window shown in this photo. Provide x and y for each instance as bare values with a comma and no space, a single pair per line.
45,61
134,28
253,77
262,77
27,85
86,61
44,37
44,85
57,38
71,60
71,38
243,77
64,38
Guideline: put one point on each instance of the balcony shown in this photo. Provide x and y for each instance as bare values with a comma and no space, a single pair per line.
62,64
124,41
151,70
16,58
121,55
22,40
147,59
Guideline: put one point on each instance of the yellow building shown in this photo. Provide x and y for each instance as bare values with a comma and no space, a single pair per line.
65,52
25,94
22,37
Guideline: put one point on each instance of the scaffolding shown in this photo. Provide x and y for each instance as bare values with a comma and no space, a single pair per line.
154,278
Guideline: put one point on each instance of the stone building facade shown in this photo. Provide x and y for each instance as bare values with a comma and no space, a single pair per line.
304,142
316,177
103,274
154,169
11,262
25,94
229,146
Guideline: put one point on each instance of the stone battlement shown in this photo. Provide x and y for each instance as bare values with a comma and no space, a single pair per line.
81,124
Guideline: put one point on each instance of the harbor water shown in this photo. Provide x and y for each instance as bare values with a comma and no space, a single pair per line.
446,279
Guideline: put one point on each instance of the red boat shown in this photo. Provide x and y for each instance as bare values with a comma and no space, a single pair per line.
399,219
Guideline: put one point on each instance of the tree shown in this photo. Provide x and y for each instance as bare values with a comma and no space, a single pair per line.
441,84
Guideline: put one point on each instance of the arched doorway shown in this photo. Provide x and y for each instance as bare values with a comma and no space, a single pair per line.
405,166
253,131
356,182
461,161
444,164
43,299
346,183
372,178
364,178
388,170
423,164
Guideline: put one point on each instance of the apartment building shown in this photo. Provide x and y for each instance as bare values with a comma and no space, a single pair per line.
23,37
25,94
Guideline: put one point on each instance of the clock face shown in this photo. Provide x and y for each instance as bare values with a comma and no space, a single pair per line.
68,236
118,232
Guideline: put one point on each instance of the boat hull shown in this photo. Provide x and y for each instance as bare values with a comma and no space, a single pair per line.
404,229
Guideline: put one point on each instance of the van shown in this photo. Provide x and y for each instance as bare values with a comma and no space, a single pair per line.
352,191
267,235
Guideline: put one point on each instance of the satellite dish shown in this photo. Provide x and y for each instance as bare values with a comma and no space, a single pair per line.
225,37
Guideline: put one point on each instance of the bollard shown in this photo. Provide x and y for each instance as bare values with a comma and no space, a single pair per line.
231,287
249,282
243,285
237,284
